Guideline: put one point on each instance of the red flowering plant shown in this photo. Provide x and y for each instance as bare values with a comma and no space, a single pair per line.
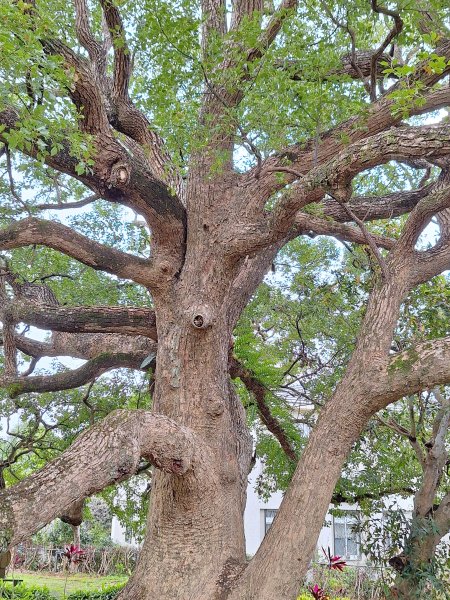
334,562
74,554
318,593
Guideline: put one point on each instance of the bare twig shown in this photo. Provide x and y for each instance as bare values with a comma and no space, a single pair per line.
370,241
68,205
12,185
394,32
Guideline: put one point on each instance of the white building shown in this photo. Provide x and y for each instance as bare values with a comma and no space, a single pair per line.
336,533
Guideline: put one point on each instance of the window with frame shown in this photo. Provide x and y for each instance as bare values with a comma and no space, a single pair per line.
347,542
269,516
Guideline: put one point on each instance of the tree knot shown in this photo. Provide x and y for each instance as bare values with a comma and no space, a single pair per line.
201,317
120,174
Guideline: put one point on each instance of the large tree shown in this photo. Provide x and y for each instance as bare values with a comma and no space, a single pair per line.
230,128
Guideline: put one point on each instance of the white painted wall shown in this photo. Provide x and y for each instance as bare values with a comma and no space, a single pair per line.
254,512
254,517
118,534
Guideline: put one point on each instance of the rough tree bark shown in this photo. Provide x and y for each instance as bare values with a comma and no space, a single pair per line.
212,242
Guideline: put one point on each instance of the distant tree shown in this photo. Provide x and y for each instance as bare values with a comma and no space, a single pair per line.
278,122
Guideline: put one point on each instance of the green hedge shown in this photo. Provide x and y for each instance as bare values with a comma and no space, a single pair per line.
22,592
108,593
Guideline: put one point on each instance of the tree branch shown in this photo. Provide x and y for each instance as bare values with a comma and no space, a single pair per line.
85,346
371,208
340,498
67,205
335,177
68,380
94,48
104,455
117,177
214,21
393,33
442,516
259,391
400,430
422,366
435,460
122,57
86,319
370,241
303,157
243,9
85,92
273,28
350,67
434,202
306,224
66,240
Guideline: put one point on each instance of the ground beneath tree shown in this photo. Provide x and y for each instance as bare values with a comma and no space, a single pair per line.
55,581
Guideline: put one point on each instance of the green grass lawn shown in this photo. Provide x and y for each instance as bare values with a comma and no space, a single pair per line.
55,581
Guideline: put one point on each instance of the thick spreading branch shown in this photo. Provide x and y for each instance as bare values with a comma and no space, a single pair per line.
381,116
423,366
64,239
84,346
335,176
371,208
104,455
119,177
86,319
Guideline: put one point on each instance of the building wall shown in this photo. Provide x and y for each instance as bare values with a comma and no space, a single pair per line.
254,516
118,534
254,521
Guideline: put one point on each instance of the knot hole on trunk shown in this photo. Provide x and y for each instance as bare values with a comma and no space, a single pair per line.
201,318
198,321
120,174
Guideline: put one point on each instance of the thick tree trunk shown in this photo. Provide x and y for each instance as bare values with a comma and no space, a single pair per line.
211,240
195,543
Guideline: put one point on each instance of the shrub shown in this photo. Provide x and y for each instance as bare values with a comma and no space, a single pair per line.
108,593
21,592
